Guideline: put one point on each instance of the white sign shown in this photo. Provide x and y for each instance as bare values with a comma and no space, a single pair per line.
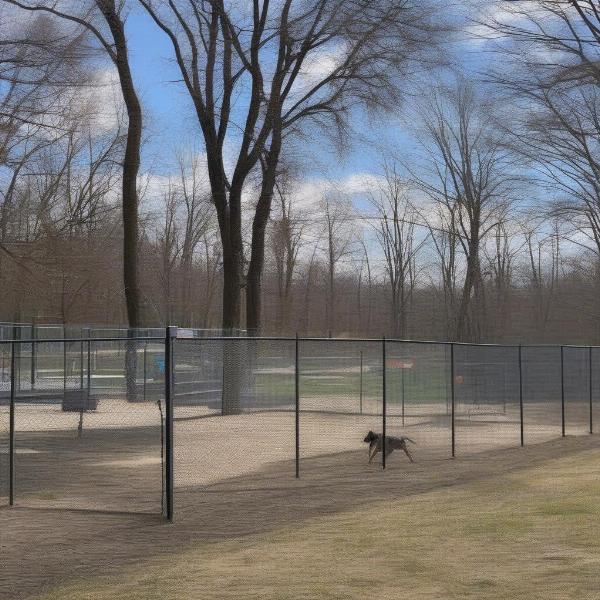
185,333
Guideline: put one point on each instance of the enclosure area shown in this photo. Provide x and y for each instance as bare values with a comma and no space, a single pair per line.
140,421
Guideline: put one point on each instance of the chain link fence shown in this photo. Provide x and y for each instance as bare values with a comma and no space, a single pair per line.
84,429
126,422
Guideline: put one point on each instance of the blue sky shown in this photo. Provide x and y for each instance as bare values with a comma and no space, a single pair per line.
170,121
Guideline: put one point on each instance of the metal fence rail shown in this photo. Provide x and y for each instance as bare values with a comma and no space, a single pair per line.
134,422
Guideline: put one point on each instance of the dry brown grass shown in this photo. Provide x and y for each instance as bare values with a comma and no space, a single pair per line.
529,533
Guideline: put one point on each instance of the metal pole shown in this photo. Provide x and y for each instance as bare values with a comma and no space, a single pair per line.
171,334
384,398
591,391
33,355
89,362
64,360
89,365
521,396
17,336
361,382
297,389
81,363
11,443
452,398
402,389
562,390
223,355
145,367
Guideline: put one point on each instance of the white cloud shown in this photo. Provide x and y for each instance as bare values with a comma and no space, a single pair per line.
102,101
490,13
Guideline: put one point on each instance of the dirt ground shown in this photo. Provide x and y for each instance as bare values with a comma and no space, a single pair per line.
116,463
234,477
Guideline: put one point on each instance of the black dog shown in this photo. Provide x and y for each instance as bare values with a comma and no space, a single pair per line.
375,441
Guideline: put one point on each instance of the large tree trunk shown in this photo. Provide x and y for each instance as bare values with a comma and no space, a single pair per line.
131,165
232,296
259,227
463,329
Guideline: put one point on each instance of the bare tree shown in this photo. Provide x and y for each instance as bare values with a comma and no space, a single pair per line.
365,270
472,176
554,52
170,245
93,17
445,235
560,39
309,277
395,232
338,238
544,256
274,50
212,260
197,218
286,241
500,256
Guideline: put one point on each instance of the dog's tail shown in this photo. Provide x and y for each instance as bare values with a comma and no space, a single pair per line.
409,440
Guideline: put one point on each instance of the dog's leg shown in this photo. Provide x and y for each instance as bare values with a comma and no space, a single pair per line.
405,448
375,451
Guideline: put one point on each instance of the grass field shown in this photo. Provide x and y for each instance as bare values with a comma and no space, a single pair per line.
516,523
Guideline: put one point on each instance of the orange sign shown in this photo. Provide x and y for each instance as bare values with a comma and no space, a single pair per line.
400,363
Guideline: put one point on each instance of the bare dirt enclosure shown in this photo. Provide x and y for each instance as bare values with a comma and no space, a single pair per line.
116,461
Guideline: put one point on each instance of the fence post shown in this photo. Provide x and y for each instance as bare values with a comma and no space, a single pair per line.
145,367
33,355
64,359
297,390
591,391
223,355
452,376
81,360
402,390
521,396
171,335
562,390
11,443
17,351
361,383
384,398
89,362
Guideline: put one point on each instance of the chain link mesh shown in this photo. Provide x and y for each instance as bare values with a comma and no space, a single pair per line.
576,373
340,396
487,406
89,413
419,398
541,393
84,435
234,408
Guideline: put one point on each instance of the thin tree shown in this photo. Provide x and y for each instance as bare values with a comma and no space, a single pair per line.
338,238
471,180
92,16
395,230
286,242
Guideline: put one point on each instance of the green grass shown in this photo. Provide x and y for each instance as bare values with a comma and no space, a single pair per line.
533,535
418,388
